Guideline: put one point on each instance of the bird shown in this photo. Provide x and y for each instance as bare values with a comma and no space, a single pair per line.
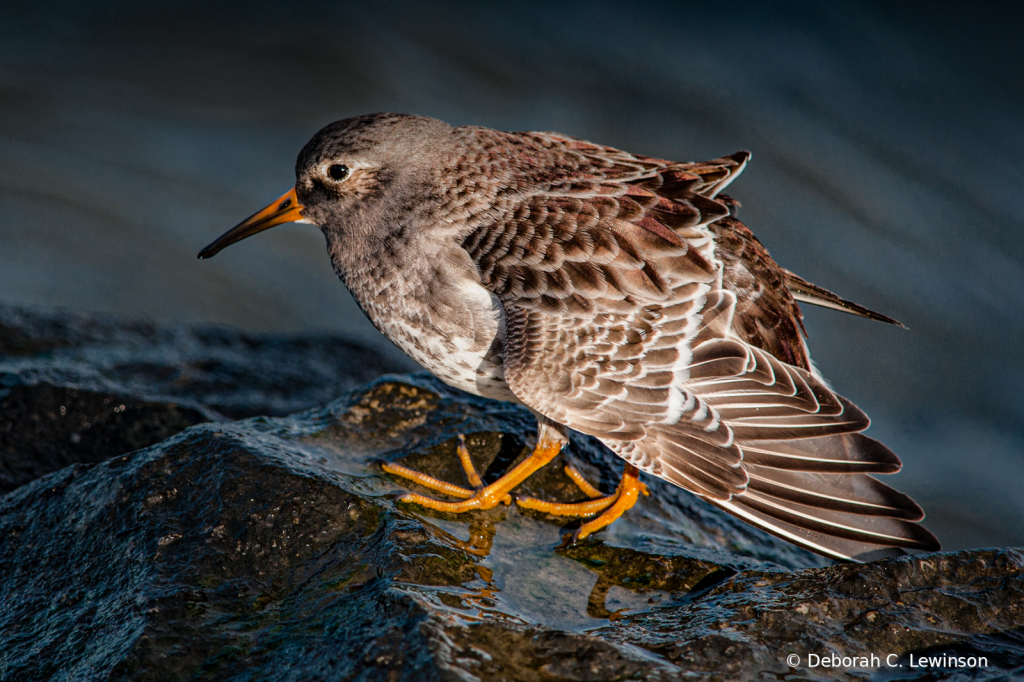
612,294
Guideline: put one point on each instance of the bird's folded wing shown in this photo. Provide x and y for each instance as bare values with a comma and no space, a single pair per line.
616,325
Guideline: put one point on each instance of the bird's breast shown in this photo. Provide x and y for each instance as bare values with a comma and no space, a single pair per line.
443,318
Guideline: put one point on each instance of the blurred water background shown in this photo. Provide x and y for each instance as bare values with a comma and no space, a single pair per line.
888,142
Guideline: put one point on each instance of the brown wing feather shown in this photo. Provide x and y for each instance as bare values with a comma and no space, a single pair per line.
815,295
638,311
767,314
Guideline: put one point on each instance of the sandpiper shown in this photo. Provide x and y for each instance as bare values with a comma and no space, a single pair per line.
612,294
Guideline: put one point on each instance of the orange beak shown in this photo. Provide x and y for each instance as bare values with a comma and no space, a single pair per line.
287,209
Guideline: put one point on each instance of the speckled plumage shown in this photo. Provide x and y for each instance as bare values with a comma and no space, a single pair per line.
612,293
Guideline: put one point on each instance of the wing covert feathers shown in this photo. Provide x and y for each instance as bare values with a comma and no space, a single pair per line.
638,311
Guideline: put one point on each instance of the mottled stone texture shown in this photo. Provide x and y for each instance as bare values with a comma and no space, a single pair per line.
77,388
273,549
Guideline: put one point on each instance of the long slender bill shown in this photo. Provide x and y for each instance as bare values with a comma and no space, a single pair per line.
287,209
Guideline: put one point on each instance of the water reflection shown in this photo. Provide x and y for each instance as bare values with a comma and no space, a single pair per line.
578,588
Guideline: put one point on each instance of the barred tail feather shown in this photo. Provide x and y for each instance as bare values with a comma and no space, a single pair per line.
815,492
849,516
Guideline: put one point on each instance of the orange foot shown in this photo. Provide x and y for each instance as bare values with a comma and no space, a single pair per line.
613,506
480,496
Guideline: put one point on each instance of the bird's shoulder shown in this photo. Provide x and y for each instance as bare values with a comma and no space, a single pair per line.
582,223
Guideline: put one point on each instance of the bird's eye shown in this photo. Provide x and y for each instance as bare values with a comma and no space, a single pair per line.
338,172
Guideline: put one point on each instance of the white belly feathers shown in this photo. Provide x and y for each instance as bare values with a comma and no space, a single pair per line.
463,346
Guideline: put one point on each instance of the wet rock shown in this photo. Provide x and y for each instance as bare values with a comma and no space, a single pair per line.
967,604
276,545
46,427
83,388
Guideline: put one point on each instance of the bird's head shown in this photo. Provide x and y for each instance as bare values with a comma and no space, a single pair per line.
351,175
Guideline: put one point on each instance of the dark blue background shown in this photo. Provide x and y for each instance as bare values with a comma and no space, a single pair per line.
888,146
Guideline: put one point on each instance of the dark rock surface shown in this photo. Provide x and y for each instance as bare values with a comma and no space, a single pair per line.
273,549
77,388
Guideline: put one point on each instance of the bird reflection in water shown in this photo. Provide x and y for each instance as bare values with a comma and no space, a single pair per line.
626,581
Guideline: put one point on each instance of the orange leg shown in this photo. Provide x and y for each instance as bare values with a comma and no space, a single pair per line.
549,444
598,501
467,464
582,483
628,491
613,506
